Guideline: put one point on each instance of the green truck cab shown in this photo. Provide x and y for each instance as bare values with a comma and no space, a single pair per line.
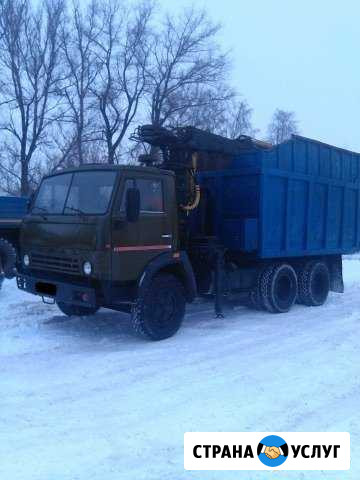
107,236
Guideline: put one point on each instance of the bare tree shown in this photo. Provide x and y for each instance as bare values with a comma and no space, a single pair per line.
228,117
186,68
72,85
207,112
79,40
29,53
282,126
238,120
123,53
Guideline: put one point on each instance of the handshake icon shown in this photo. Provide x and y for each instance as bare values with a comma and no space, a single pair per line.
273,452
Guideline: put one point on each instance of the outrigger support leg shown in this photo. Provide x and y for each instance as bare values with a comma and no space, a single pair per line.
219,290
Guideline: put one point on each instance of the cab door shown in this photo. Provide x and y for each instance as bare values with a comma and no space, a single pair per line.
134,244
125,237
155,221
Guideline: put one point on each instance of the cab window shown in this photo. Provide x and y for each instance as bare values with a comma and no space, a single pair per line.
52,194
151,194
90,192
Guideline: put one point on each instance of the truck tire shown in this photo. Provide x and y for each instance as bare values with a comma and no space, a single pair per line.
255,298
314,284
7,258
76,310
278,288
160,308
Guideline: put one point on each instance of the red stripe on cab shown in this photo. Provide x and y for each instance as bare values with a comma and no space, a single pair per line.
139,248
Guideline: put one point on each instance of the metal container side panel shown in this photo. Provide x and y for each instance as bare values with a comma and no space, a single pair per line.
349,238
247,160
234,198
306,156
273,214
238,220
305,215
240,195
299,198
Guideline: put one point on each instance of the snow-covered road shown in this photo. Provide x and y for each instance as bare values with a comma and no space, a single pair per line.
84,399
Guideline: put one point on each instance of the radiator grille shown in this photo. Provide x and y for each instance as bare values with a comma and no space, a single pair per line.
55,263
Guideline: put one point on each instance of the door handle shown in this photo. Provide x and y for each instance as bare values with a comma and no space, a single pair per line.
167,235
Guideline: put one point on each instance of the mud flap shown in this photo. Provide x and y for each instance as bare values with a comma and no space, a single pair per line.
336,275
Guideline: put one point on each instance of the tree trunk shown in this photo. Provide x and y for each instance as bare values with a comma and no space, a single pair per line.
25,190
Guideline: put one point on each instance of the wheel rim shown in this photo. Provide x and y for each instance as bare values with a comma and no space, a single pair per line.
320,286
285,290
163,311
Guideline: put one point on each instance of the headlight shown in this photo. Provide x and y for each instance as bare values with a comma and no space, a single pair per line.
87,268
26,260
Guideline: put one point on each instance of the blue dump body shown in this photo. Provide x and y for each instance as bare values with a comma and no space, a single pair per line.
12,208
299,198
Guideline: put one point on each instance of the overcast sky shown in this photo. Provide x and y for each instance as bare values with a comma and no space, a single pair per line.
302,56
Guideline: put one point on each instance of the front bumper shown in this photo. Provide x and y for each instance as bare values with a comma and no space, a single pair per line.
73,293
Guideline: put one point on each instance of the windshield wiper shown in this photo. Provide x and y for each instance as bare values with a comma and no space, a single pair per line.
42,209
82,214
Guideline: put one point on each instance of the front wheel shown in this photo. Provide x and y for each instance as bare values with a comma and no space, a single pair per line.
76,310
160,308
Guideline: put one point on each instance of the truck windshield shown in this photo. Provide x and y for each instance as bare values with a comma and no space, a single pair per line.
80,193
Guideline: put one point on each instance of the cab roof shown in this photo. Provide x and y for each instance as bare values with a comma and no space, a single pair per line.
116,168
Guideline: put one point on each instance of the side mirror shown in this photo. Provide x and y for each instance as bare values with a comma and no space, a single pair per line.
132,204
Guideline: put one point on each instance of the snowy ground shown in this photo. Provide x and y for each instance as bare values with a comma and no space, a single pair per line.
84,399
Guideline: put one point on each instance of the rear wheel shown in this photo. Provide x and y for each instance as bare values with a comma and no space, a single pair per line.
255,298
160,308
76,310
314,283
278,288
